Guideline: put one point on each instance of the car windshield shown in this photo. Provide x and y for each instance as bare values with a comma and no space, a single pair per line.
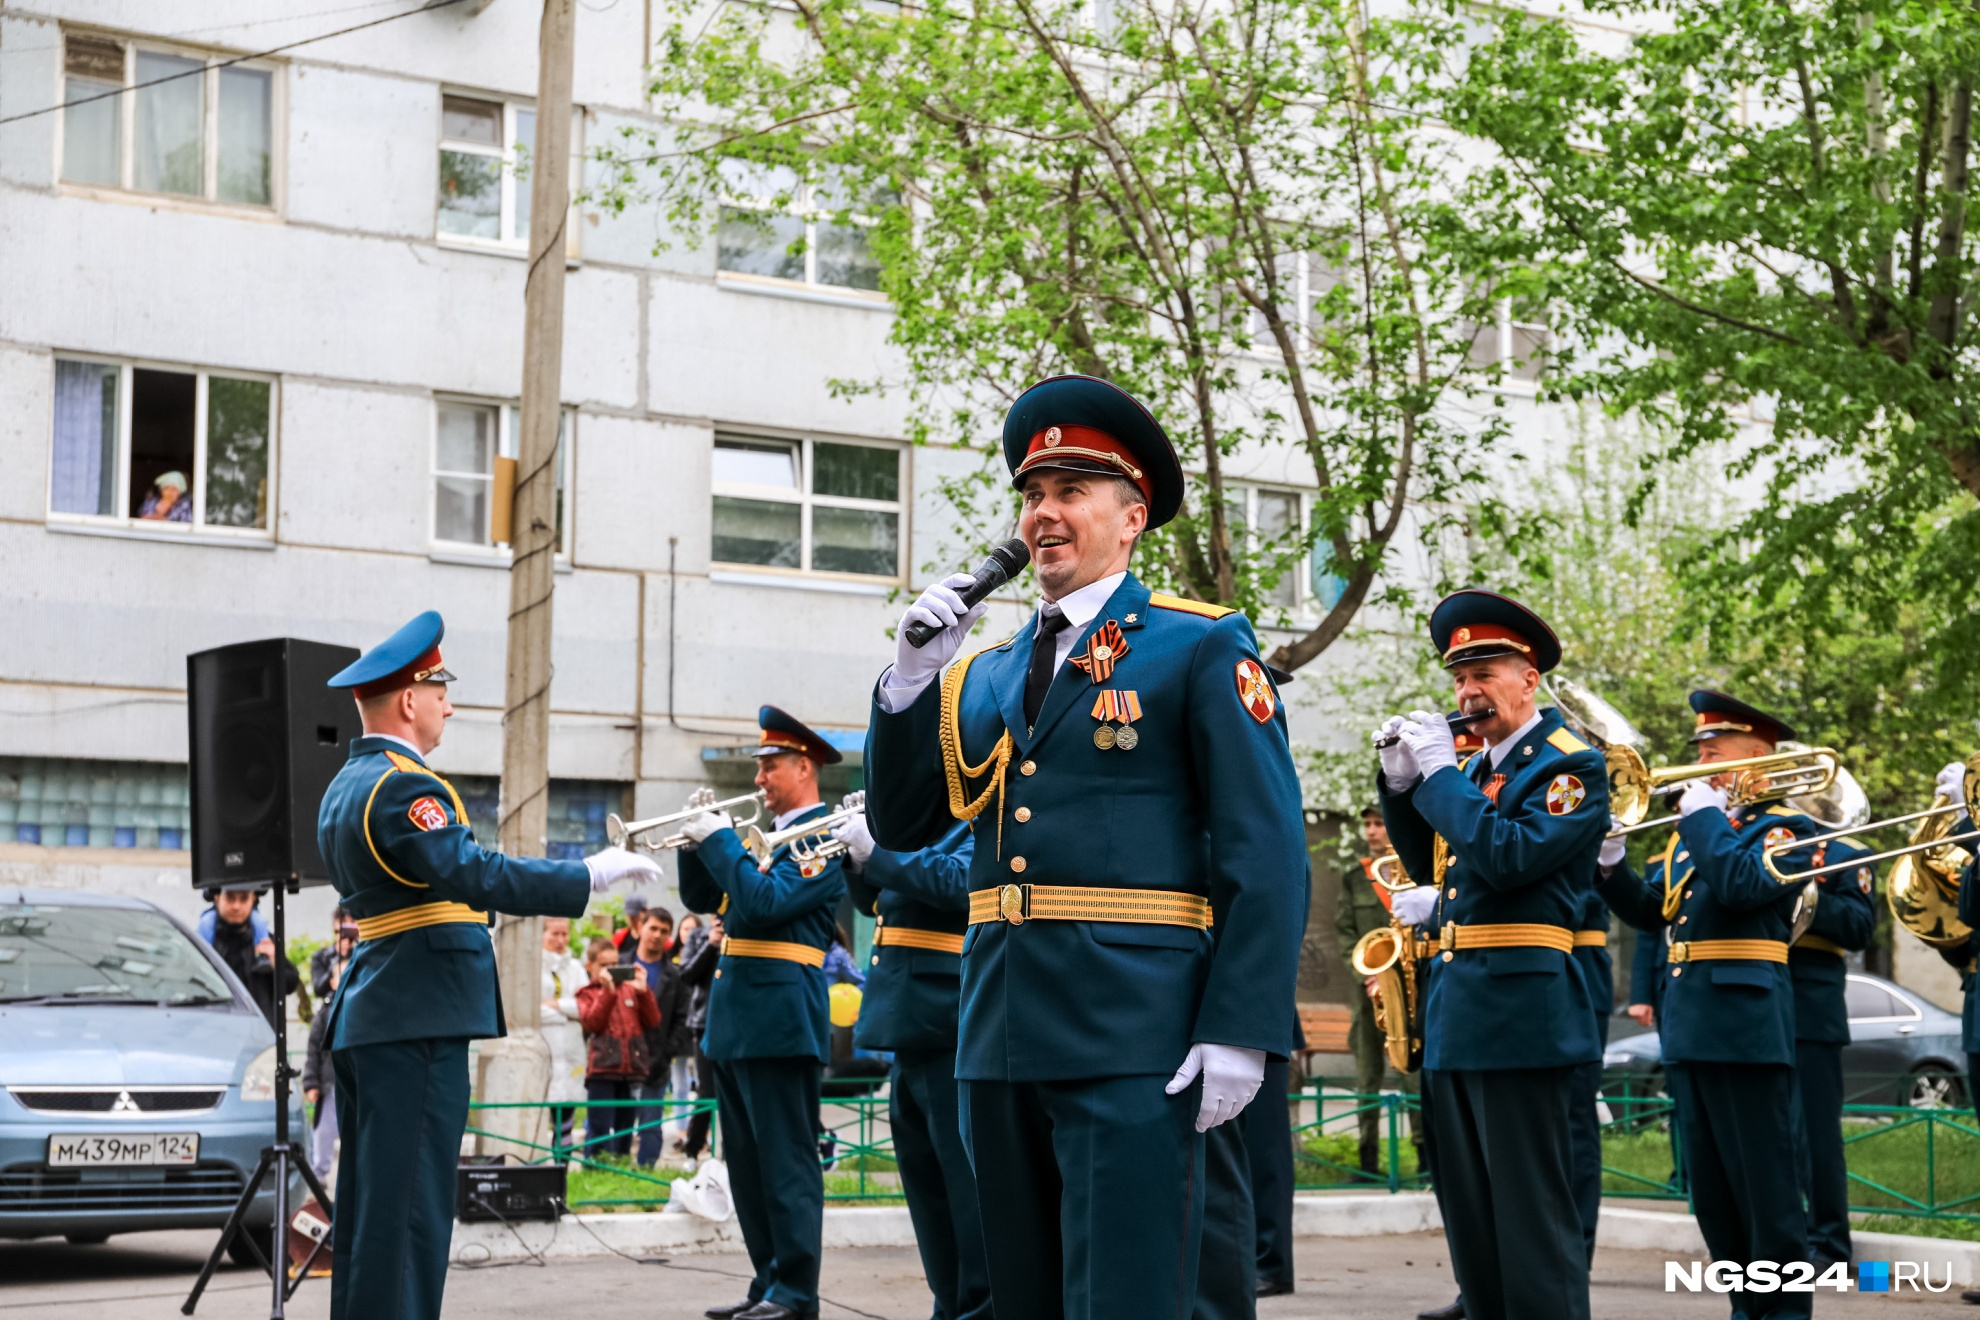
91,954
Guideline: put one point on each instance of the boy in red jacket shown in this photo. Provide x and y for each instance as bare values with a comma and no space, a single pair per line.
616,1017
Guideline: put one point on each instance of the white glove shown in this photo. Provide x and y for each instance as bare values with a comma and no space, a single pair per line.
1230,1078
614,864
857,838
1428,737
698,828
941,606
1698,795
1414,906
1398,762
1611,853
1951,783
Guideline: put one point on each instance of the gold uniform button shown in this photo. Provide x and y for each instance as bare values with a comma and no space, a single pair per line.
1682,920
1452,892
1677,971
718,976
876,960
1017,864
1023,814
1448,955
1028,768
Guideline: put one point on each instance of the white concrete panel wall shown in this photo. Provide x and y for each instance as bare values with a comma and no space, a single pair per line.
30,78
356,467
358,159
27,392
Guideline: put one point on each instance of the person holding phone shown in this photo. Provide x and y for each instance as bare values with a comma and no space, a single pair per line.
616,1010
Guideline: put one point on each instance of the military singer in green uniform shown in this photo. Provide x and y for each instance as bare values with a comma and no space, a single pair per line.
769,1028
421,982
1508,842
1124,757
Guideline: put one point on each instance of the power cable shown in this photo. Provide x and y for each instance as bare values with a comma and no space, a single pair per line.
427,8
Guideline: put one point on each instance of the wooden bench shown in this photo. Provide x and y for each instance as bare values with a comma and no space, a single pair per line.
1326,1027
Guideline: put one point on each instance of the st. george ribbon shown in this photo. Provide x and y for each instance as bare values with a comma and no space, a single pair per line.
1005,562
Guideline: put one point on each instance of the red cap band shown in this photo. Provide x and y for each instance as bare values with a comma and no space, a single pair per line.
1094,450
1474,636
416,672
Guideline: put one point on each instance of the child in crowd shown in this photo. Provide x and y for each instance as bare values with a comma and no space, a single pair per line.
616,1015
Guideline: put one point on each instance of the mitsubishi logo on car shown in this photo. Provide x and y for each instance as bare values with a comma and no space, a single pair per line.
125,1105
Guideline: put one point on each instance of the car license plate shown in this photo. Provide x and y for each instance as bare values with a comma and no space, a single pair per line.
69,1150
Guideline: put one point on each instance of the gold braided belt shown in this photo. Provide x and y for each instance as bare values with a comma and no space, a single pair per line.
1821,945
908,937
1591,939
1509,935
1684,951
1018,904
423,914
782,950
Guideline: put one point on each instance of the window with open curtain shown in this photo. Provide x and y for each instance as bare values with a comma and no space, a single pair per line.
84,457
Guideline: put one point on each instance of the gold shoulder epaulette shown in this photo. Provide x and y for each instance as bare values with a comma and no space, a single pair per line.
407,764
1563,741
1161,602
1782,811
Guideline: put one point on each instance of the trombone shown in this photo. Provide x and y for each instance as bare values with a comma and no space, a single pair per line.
623,834
763,846
1932,833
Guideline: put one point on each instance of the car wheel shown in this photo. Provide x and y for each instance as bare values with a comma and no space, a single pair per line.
1933,1087
87,1239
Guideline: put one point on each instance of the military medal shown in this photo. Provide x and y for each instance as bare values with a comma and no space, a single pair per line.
1104,737
1103,651
1128,738
1110,705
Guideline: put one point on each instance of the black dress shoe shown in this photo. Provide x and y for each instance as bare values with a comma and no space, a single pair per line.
1971,1297
1274,1287
772,1311
1455,1311
729,1312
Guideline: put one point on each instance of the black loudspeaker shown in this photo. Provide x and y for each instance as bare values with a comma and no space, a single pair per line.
267,737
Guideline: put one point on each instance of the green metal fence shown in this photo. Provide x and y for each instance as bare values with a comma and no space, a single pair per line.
1903,1160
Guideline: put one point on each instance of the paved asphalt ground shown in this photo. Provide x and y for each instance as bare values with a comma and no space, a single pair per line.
147,1275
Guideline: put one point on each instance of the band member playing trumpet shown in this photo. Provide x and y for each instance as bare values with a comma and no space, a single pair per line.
1727,1026
1508,841
1125,759
769,1027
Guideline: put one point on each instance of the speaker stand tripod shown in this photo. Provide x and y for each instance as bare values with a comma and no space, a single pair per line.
282,1159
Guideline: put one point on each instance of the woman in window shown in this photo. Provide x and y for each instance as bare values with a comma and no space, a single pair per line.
169,500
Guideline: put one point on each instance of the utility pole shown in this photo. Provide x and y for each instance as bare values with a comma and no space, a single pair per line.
518,1068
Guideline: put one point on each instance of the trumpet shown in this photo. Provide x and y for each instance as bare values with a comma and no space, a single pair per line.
624,834
804,846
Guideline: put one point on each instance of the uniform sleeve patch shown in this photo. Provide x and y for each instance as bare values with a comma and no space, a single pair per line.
1564,794
1778,837
811,867
1255,690
1865,878
428,814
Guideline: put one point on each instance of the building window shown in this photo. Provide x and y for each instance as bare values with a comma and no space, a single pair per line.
1305,280
1514,337
482,199
775,228
816,506
159,446
1275,522
197,131
65,803
468,436
578,808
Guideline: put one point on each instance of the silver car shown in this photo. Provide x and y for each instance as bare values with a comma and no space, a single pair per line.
137,1078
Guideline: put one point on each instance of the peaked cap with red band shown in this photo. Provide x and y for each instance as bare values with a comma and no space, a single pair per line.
1720,714
786,733
1086,424
410,655
1477,625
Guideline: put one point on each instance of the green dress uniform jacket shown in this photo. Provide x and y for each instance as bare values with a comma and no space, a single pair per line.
1207,803
912,995
399,850
1526,858
395,837
763,1008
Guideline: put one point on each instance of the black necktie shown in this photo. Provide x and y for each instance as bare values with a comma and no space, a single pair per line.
1044,661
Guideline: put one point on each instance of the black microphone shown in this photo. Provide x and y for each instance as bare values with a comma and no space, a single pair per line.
1005,562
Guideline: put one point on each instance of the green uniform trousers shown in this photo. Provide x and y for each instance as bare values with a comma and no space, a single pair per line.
1506,1172
924,1110
1227,1272
1738,1121
401,1108
768,1109
1266,1125
1371,1069
1818,1140
1091,1194
1585,1148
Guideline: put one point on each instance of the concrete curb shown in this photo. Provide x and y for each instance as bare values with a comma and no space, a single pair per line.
1330,1215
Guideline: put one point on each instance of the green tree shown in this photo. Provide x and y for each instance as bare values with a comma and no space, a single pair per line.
1210,207
1756,207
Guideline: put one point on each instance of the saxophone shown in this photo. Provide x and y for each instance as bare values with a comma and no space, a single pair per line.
1388,954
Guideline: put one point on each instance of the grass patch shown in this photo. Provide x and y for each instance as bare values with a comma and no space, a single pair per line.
1934,1162
1960,1230
1635,1163
619,1181
1327,1159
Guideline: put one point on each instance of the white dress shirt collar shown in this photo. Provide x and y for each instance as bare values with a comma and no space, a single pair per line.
1079,607
402,742
1500,751
783,818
